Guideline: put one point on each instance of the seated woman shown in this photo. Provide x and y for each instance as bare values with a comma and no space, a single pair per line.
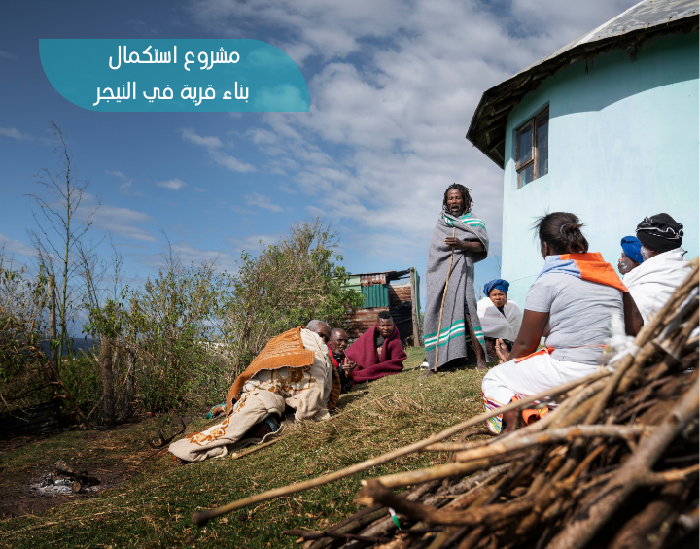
664,269
631,257
500,317
570,304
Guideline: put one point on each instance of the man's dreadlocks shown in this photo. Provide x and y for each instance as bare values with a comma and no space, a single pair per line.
465,196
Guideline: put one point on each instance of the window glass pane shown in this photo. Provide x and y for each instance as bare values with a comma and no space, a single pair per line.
542,144
524,147
527,175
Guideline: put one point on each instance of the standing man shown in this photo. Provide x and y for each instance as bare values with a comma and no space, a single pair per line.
461,240
343,365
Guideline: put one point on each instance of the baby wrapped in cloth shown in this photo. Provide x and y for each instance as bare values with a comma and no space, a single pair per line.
293,369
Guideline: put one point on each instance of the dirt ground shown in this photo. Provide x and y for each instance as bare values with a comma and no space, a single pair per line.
110,455
19,498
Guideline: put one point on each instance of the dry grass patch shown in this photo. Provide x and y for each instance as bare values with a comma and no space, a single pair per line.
154,509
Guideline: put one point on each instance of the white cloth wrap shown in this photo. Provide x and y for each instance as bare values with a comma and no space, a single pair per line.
494,324
526,378
652,283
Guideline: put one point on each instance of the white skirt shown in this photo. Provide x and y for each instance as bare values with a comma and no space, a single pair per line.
525,378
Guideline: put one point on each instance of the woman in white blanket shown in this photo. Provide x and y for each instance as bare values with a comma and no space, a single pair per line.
500,317
664,267
570,304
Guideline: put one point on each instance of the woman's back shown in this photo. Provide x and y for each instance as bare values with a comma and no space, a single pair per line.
579,314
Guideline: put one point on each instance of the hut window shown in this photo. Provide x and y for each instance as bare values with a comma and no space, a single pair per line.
532,148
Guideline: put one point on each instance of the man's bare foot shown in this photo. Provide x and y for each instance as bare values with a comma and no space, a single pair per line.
427,374
480,364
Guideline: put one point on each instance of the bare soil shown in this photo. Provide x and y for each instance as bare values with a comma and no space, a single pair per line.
19,498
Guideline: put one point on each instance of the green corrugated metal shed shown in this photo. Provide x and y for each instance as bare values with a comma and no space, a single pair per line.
376,295
354,282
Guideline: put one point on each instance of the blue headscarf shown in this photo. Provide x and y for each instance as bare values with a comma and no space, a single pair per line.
632,248
498,284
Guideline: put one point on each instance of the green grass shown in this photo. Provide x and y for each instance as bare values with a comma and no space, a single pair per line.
154,508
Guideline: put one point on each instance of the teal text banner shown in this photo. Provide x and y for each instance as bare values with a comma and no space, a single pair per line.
178,75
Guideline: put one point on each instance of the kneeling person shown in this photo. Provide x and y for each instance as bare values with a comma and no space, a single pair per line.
378,352
293,369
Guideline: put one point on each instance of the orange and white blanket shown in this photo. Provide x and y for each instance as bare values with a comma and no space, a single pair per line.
294,369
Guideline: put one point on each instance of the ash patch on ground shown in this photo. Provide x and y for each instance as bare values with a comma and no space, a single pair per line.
46,489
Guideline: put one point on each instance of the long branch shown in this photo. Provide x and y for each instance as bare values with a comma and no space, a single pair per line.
202,518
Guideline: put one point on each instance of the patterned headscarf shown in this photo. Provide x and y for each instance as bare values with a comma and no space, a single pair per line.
660,233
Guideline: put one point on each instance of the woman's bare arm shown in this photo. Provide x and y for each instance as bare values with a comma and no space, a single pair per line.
530,334
633,318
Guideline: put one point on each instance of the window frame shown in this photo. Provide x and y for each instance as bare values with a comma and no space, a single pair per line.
530,124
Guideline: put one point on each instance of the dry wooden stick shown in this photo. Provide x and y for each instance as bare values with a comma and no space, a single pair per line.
342,535
200,519
491,514
436,472
254,449
526,439
630,476
643,340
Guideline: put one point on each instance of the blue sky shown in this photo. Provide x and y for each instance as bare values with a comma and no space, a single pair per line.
393,86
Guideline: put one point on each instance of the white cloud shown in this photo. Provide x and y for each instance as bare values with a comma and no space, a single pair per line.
15,246
14,133
262,201
173,184
243,211
399,108
127,182
231,163
253,242
7,55
121,221
211,142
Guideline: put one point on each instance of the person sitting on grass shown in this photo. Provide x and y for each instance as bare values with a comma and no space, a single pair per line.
500,317
571,304
378,352
631,257
293,370
664,269
344,367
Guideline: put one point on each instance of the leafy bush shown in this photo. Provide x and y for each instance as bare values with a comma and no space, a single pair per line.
192,330
22,300
287,285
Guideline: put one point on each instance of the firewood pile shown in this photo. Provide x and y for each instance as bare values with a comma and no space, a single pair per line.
614,464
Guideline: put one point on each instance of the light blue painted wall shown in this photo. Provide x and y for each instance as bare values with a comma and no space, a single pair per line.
623,145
